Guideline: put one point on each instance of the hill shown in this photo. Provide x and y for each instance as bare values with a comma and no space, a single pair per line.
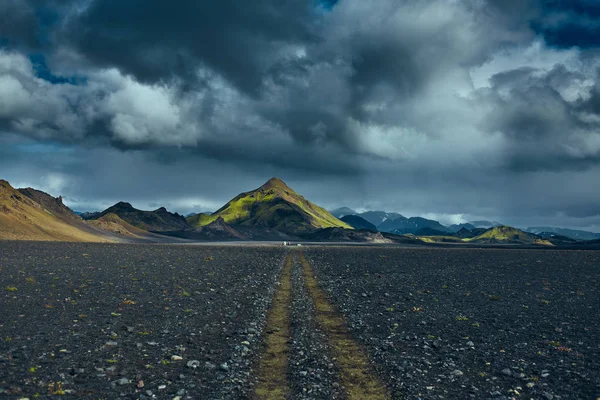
159,220
508,235
113,223
23,218
358,222
411,225
273,205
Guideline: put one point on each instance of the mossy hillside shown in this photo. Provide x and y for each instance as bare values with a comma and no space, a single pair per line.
201,219
507,234
273,205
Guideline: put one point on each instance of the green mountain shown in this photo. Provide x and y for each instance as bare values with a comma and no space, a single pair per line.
508,235
159,220
273,205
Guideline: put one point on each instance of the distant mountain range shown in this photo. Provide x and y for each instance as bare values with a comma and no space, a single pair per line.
398,224
271,212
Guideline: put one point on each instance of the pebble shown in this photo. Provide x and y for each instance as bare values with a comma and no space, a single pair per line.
224,367
470,344
123,381
176,358
111,344
140,384
457,372
303,373
209,365
193,364
162,387
507,372
547,396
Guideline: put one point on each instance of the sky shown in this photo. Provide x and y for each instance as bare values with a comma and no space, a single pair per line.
450,109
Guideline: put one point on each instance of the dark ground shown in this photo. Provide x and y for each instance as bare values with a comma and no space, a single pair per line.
461,323
438,323
69,321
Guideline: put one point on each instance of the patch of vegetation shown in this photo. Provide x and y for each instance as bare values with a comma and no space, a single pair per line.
11,289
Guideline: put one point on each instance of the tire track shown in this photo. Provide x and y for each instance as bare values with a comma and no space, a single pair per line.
356,375
272,376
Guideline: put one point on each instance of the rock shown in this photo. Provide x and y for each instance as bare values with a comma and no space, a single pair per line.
140,384
470,344
193,364
303,373
224,367
123,381
162,387
457,372
111,344
507,372
547,396
209,365
530,385
176,358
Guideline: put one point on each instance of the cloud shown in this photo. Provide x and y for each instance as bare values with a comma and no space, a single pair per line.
443,107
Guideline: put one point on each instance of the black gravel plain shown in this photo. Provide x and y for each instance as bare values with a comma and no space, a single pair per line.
469,323
102,321
105,321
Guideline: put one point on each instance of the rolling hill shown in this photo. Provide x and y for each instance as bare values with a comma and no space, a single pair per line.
159,220
273,205
508,235
23,218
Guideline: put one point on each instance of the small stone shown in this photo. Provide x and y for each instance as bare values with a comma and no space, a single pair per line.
193,364
140,384
457,372
530,385
224,367
303,373
246,343
470,344
111,344
123,381
507,372
162,387
251,330
209,365
176,358
547,396
177,398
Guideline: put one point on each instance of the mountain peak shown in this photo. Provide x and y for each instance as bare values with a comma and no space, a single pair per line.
275,183
123,204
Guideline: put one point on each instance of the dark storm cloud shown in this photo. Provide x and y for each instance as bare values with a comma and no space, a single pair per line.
543,129
449,107
18,23
155,40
